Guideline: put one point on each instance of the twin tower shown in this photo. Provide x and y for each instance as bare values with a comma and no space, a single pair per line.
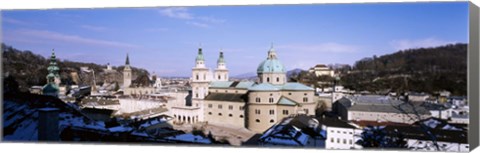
201,76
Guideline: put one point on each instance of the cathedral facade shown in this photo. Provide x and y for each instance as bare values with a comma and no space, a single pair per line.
253,105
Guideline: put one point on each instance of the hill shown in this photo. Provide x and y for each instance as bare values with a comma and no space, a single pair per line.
422,70
30,69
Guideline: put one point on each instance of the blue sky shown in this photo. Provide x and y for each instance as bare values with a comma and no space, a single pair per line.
165,39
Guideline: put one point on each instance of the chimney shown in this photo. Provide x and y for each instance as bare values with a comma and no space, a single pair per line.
48,124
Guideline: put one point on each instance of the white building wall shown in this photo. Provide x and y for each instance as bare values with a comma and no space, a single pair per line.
341,138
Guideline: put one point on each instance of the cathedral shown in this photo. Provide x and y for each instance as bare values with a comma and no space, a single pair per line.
253,105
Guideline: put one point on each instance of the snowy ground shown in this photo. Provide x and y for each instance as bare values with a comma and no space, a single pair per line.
134,105
234,135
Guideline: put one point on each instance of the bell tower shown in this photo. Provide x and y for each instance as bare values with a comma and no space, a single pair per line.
127,74
221,72
200,79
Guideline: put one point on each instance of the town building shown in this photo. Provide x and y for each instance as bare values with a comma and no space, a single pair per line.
379,109
322,70
339,134
432,135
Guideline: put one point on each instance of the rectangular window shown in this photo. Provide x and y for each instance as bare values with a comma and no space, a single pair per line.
257,111
272,112
350,141
241,108
285,112
338,140
209,105
344,141
306,110
332,140
230,107
219,106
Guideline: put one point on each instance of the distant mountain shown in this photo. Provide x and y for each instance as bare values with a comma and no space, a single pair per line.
248,75
294,72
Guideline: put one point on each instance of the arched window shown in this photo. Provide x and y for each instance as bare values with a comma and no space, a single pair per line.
278,79
197,77
268,79
230,115
241,116
218,77
219,114
257,120
271,121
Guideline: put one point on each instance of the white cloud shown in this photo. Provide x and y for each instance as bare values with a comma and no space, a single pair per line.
211,19
329,47
13,21
198,24
176,12
425,43
156,29
195,20
59,37
93,28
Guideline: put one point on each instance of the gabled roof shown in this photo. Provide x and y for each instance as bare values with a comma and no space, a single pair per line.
334,122
286,101
263,87
220,84
232,84
227,97
244,84
295,86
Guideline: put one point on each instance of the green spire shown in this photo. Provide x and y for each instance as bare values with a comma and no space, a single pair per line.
221,59
53,68
200,55
127,62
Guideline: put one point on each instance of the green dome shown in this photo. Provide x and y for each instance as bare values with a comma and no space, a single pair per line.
200,55
50,75
271,65
50,88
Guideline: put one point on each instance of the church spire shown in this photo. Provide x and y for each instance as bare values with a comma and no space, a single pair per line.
127,62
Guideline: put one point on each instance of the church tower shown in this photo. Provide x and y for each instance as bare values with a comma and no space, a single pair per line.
127,74
200,78
271,70
53,78
221,72
53,75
